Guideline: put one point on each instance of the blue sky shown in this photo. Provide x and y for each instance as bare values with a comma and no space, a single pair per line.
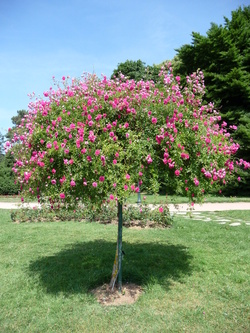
44,38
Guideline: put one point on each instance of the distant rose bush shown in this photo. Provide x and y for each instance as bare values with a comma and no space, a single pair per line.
94,139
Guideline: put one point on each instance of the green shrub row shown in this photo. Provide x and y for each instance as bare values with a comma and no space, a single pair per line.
133,215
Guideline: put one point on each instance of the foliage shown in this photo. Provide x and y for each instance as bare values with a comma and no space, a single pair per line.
224,56
2,141
92,140
17,123
8,185
139,215
137,70
7,178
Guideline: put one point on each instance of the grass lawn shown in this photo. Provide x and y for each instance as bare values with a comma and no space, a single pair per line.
195,277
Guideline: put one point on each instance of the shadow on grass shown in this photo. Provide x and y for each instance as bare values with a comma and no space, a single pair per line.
87,265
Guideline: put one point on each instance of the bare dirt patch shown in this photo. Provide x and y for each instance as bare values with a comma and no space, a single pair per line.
129,295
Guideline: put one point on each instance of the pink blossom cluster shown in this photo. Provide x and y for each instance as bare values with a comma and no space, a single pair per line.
89,138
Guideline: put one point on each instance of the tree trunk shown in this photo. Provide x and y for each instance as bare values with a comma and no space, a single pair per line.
117,267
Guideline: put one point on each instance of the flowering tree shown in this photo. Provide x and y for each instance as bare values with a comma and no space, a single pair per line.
93,140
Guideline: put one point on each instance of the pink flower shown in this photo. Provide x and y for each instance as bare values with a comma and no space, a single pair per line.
238,179
149,159
49,145
111,197
83,151
184,156
72,183
132,187
101,178
154,120
196,182
114,184
114,161
127,176
177,173
62,180
125,187
53,181
160,209
97,152
53,171
171,165
94,184
62,195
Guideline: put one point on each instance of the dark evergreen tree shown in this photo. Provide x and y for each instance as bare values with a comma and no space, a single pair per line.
7,178
224,57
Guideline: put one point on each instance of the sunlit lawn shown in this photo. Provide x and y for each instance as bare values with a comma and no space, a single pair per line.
195,277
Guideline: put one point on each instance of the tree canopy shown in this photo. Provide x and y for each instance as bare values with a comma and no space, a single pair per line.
95,139
137,70
17,122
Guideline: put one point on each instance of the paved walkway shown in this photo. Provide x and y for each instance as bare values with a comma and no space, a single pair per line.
173,208
182,209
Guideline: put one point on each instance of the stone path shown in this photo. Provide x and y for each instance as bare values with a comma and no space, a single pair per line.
197,212
207,212
211,216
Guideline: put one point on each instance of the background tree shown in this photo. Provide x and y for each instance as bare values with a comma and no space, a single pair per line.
7,178
137,70
224,57
17,122
2,141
